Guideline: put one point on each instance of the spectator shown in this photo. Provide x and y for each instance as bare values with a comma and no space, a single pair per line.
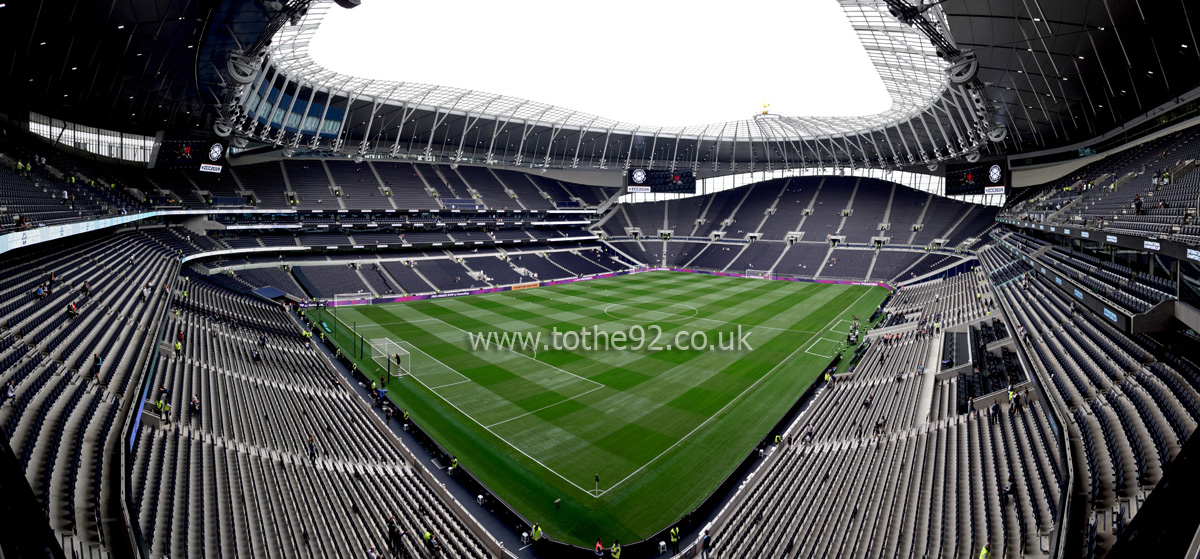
432,544
312,446
394,535
9,392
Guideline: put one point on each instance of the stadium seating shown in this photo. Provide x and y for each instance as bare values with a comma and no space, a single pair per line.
248,443
818,207
1090,196
408,190
63,422
326,281
1131,413
880,465
273,277
928,484
358,184
310,181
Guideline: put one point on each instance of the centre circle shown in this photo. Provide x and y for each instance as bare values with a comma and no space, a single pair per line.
672,312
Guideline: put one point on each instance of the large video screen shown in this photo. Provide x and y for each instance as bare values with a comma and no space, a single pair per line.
983,177
660,181
202,154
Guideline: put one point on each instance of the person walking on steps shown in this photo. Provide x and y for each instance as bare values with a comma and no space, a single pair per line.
394,535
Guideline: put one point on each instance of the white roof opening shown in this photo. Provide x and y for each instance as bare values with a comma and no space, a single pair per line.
656,63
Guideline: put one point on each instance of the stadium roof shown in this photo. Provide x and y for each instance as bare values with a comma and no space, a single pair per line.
1062,72
911,72
1053,74
649,63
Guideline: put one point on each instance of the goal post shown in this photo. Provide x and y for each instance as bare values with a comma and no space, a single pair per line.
762,274
343,299
390,357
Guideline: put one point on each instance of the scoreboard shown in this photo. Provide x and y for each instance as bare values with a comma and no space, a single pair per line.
648,181
194,153
982,177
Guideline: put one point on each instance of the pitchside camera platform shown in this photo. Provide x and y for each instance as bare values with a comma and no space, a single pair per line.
661,181
983,177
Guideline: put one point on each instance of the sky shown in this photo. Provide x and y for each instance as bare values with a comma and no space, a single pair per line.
652,63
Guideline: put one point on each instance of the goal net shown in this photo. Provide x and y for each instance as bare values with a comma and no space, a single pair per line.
390,357
343,299
763,274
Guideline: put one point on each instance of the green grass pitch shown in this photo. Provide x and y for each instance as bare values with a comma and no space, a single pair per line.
661,428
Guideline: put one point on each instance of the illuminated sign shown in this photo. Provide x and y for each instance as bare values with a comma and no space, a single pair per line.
1110,315
1110,238
1151,245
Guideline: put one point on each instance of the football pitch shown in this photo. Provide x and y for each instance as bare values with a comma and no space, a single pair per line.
661,425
